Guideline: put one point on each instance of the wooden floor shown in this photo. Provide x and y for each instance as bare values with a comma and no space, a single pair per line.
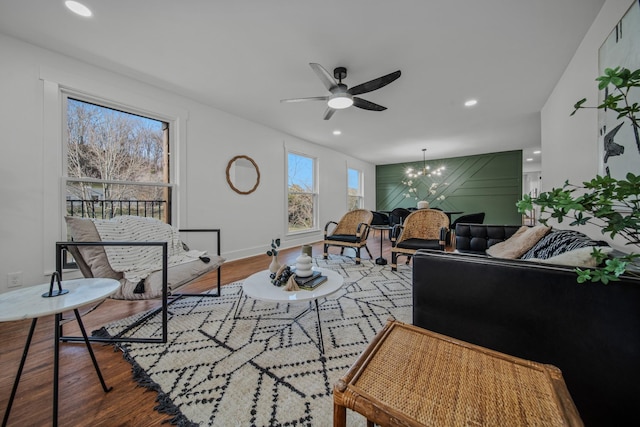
82,400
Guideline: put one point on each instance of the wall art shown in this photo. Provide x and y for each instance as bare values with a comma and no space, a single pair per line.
618,140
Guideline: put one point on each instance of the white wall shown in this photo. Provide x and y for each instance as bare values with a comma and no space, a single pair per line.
569,144
31,211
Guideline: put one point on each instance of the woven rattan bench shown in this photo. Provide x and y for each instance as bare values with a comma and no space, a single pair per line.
414,377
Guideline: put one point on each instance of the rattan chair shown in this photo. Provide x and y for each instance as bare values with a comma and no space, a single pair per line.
350,232
423,229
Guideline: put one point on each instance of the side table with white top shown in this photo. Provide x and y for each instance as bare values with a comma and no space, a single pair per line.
258,286
41,300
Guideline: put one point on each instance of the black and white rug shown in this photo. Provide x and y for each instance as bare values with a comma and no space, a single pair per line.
265,367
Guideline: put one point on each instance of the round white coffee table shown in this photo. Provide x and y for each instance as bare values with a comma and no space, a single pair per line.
258,286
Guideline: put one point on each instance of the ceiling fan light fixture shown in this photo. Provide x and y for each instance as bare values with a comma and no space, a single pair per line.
340,101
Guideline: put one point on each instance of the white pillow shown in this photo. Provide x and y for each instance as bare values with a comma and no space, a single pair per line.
580,257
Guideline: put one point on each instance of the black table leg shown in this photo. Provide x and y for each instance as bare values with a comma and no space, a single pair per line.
56,365
319,328
235,313
19,374
381,260
93,357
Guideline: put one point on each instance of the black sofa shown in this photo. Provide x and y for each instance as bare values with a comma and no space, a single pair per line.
538,312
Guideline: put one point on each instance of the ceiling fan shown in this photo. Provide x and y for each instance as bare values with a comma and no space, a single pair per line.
340,96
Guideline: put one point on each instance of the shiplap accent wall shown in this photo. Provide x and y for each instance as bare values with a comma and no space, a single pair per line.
490,183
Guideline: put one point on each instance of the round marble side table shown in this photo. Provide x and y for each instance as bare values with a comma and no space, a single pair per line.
29,303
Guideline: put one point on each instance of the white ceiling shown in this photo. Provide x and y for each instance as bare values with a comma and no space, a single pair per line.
243,56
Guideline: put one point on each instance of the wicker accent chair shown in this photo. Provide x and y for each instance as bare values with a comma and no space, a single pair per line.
350,232
423,229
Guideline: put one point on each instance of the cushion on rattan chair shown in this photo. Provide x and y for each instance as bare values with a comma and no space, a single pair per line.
343,238
419,244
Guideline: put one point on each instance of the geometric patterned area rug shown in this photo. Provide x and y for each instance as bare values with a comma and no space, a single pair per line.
265,367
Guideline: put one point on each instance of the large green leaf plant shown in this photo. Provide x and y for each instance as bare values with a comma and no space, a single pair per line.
611,204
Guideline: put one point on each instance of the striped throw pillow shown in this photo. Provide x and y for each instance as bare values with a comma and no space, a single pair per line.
558,242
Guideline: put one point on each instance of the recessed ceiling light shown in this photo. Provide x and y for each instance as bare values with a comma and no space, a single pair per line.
537,152
471,103
529,159
337,132
78,8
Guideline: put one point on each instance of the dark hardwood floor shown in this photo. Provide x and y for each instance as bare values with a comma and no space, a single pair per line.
82,400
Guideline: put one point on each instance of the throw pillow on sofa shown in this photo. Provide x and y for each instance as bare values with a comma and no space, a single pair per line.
580,257
560,241
518,244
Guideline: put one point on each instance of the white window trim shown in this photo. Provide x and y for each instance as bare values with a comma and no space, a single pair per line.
54,84
316,194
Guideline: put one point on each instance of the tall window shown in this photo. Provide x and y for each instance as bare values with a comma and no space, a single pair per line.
301,193
355,195
117,162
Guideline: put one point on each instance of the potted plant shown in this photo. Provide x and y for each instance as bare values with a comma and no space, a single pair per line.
609,203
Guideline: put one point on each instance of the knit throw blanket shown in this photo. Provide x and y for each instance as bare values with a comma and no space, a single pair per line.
138,262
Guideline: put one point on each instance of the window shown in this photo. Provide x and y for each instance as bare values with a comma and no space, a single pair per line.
301,193
116,162
355,195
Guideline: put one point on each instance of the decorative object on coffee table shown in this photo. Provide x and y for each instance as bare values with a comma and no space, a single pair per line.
307,249
304,266
273,253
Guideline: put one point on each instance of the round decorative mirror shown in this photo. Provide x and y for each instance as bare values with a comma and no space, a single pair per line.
243,174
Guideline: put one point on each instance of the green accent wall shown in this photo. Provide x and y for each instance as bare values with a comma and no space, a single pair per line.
490,183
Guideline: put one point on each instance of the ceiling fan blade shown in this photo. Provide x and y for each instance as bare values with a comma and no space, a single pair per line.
327,79
313,98
367,105
328,113
374,84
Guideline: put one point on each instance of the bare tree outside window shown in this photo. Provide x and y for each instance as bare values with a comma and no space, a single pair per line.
355,195
117,163
301,192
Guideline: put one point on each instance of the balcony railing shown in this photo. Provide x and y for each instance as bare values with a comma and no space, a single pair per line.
106,209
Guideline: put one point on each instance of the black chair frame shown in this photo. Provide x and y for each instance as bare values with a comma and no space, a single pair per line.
167,299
